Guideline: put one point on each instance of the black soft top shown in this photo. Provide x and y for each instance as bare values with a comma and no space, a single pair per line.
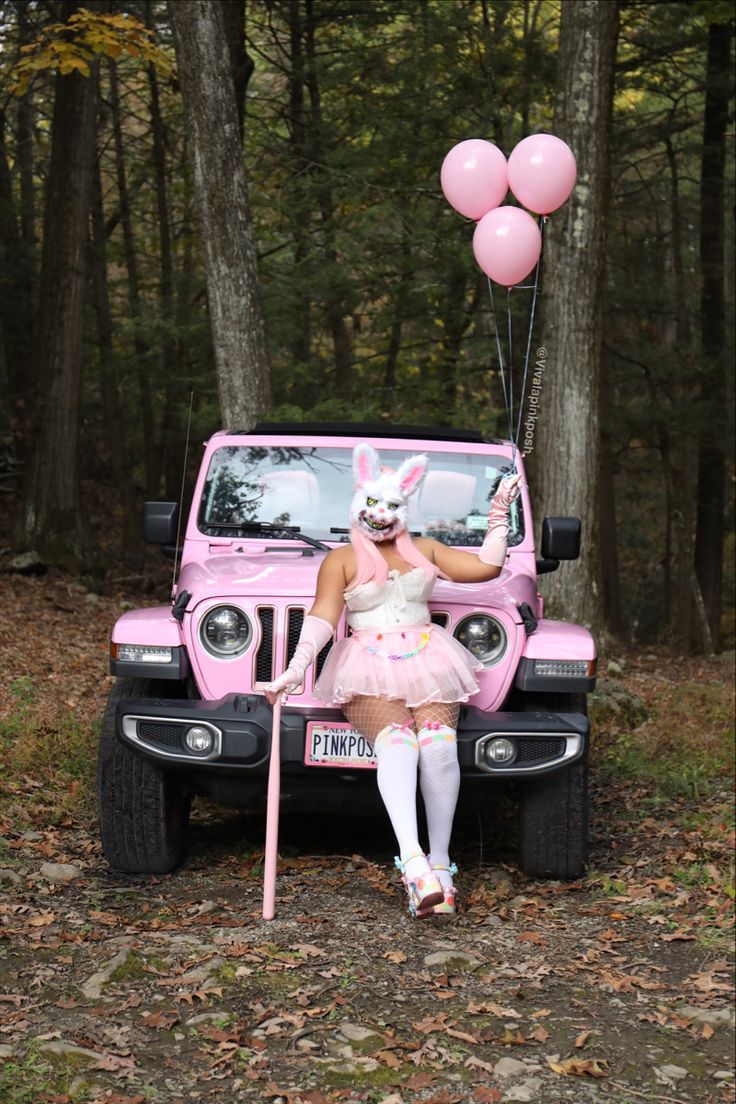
360,429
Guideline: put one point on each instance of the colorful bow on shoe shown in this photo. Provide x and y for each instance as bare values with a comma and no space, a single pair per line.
424,890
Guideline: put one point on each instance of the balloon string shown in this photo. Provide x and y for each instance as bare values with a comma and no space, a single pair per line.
535,285
502,370
510,327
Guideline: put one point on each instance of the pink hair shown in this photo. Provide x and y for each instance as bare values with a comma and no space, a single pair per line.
372,566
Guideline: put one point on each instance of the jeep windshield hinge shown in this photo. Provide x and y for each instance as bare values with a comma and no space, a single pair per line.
181,603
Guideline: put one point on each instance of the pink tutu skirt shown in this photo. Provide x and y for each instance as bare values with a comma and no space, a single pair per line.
415,664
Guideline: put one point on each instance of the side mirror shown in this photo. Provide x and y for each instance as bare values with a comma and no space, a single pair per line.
560,541
160,521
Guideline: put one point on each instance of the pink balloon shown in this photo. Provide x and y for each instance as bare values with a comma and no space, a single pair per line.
507,243
474,177
542,172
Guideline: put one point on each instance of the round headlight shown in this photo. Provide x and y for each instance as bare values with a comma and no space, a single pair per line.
225,631
484,637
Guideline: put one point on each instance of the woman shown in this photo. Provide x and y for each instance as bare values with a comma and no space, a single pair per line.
399,678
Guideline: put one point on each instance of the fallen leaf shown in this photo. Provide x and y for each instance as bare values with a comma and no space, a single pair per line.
582,1038
163,1020
42,920
478,1063
707,1032
395,956
484,1095
581,1067
540,1034
308,950
388,1058
531,937
419,1081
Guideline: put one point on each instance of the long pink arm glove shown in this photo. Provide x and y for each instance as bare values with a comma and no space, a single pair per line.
493,549
312,639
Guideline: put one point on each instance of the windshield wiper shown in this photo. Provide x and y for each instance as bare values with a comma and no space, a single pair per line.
266,527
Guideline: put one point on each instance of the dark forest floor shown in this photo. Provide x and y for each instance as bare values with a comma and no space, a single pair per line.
615,988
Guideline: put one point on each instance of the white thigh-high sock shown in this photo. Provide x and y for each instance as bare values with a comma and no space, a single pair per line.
397,751
439,778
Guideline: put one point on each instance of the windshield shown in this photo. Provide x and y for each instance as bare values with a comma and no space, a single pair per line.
309,489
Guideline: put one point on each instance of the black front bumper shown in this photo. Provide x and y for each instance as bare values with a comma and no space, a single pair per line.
241,729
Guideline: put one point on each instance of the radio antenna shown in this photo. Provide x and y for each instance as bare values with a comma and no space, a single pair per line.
181,492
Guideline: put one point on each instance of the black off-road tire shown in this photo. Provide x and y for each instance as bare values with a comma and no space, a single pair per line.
143,812
553,809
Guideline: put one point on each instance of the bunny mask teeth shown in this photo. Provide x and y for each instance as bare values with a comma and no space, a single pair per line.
378,529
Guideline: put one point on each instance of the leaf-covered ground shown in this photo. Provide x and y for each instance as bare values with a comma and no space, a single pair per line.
616,988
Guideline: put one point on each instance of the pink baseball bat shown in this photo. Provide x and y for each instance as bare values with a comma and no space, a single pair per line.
271,854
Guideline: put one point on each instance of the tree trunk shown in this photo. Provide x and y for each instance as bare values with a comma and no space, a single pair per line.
677,455
337,307
50,518
241,64
607,505
301,341
15,304
143,354
572,327
711,453
113,418
220,187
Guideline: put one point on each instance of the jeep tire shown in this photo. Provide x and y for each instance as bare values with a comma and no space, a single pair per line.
553,809
143,811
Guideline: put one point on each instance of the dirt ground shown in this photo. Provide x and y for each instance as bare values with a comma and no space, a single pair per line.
173,989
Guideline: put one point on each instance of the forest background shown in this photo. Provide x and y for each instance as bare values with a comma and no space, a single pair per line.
373,307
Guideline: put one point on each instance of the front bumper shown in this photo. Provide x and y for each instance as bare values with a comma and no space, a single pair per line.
241,728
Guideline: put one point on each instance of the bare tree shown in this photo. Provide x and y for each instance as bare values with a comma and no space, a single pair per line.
569,433
206,80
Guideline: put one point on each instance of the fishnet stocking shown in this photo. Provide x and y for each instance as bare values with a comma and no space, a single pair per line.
370,715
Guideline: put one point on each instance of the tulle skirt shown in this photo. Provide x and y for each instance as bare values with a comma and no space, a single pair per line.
415,664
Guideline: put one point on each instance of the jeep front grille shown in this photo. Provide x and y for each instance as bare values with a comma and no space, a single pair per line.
161,733
264,655
294,622
538,751
322,659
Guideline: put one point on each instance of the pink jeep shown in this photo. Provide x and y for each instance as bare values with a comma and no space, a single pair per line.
188,716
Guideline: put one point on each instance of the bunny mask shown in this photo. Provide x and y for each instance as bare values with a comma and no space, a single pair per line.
379,506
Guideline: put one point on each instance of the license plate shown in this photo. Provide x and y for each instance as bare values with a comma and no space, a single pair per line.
337,744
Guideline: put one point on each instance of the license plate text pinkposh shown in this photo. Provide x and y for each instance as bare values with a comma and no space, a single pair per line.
337,745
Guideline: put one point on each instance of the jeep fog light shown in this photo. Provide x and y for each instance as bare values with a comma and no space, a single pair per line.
225,632
141,653
499,750
565,668
200,739
484,637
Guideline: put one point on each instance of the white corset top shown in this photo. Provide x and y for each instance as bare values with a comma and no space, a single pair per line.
401,600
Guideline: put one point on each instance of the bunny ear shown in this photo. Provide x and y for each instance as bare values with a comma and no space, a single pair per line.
411,473
366,464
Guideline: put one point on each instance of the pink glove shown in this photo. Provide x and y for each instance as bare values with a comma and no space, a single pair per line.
314,635
493,549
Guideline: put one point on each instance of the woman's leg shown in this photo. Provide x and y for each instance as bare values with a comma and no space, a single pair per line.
389,727
439,777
